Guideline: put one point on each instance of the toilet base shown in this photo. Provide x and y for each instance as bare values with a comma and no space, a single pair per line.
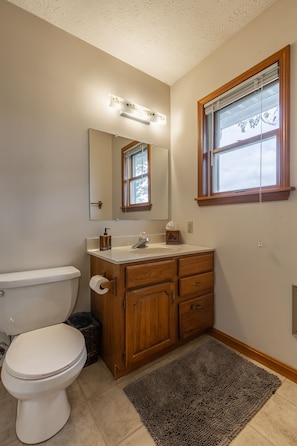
40,419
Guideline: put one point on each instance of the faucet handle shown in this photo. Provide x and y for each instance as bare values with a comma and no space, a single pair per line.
142,241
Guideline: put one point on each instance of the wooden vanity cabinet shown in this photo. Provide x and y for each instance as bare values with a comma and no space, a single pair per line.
152,306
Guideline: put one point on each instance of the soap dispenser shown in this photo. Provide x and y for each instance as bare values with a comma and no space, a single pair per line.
105,241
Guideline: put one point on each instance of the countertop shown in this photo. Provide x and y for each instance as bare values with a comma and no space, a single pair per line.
125,254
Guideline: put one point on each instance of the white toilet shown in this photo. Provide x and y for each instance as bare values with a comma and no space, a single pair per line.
45,355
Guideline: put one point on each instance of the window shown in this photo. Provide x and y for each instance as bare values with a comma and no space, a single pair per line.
136,180
243,149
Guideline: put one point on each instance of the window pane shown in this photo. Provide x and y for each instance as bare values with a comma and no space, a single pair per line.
140,163
139,191
248,117
252,165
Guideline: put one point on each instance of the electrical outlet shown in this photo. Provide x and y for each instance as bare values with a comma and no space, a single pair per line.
190,227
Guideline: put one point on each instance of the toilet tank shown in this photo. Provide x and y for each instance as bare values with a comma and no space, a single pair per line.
36,299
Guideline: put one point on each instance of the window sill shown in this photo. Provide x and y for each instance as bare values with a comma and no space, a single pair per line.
250,196
137,207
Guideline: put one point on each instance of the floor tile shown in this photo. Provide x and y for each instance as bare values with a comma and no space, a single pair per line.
15,443
288,390
8,407
115,415
139,438
81,430
277,421
75,395
96,378
249,437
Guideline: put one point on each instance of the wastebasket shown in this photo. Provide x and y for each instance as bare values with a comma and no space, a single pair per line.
91,330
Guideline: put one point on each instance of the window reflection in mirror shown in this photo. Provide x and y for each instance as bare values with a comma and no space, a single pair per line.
105,175
136,177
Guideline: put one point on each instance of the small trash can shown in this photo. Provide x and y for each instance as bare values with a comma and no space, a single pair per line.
91,330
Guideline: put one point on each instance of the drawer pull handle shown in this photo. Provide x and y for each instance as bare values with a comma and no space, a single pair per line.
197,307
197,284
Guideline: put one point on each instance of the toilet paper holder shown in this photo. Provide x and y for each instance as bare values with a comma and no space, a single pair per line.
111,284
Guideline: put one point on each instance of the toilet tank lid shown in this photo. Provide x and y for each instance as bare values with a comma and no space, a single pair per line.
35,277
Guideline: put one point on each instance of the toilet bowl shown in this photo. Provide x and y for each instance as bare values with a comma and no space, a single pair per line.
38,367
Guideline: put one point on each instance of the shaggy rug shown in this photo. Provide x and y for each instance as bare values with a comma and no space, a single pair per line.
204,398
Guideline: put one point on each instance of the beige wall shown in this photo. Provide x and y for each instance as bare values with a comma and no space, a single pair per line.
253,285
53,88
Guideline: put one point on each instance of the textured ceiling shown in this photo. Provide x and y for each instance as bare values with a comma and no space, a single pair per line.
164,38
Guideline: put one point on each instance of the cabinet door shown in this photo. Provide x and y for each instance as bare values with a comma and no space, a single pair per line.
150,321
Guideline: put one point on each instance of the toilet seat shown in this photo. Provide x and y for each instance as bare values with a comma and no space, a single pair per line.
44,352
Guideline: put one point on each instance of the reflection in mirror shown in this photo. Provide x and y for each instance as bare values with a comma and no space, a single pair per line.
106,180
136,177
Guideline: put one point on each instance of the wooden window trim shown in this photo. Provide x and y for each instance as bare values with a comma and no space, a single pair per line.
282,190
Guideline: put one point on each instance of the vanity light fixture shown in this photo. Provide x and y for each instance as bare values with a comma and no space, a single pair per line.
130,110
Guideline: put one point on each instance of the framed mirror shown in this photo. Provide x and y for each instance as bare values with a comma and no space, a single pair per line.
107,179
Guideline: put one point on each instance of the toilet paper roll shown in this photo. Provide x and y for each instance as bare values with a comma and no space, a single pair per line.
96,283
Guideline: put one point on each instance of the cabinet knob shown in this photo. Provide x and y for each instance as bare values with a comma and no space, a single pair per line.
197,307
197,284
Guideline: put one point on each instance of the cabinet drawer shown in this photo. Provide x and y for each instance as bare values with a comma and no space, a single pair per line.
195,264
196,315
196,285
150,273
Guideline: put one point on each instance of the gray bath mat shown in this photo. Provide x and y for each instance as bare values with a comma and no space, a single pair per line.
204,398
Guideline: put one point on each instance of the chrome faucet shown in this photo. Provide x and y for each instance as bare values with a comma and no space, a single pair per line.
142,241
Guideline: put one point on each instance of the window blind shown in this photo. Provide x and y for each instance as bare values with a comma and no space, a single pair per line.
252,84
135,149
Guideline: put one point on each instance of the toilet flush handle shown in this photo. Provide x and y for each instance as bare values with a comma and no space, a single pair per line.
1,293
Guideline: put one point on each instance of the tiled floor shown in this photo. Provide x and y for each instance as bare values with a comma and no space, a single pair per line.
103,416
